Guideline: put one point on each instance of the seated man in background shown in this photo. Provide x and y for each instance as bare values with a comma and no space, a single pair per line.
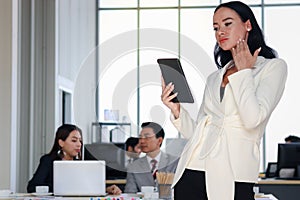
292,138
143,170
133,149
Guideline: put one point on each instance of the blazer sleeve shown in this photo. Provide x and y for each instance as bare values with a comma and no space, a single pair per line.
131,186
185,124
256,101
43,175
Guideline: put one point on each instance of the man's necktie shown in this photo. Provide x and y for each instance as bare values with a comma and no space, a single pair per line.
153,169
128,162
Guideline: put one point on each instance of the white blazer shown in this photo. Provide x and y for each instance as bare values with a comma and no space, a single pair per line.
241,117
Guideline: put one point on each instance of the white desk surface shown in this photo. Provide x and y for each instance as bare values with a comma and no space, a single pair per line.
26,196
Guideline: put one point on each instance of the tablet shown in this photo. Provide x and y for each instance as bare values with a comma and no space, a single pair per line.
172,72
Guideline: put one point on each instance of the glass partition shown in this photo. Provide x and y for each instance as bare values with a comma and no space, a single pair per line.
140,32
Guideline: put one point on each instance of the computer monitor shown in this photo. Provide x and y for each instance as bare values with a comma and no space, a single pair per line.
288,160
114,155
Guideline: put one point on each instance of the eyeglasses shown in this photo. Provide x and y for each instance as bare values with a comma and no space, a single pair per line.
146,136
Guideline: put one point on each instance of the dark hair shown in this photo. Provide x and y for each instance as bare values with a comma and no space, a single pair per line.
131,142
157,129
255,37
61,134
292,138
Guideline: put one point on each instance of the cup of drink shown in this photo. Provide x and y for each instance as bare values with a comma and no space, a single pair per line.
41,189
165,191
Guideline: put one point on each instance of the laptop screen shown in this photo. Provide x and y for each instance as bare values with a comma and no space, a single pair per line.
79,178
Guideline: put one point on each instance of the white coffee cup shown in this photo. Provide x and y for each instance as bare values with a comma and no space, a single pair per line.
147,189
41,189
5,193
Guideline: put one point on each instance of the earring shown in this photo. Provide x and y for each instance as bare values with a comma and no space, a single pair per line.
78,156
248,29
60,153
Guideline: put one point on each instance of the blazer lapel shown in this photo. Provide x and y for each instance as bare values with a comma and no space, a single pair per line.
144,165
163,162
147,176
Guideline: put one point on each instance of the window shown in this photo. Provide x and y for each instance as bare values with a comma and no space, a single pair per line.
133,34
281,33
65,106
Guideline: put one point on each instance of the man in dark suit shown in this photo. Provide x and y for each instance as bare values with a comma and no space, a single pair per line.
142,171
292,138
133,149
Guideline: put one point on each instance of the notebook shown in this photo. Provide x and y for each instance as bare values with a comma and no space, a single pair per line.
79,178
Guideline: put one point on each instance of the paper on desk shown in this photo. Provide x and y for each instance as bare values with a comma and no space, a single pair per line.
265,197
123,196
39,198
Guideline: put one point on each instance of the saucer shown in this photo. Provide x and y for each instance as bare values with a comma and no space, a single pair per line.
6,196
3,196
5,193
42,194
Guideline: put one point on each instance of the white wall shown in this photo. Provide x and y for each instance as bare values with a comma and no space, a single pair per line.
5,90
43,69
76,40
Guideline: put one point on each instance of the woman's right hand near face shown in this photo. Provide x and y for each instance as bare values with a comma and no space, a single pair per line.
166,98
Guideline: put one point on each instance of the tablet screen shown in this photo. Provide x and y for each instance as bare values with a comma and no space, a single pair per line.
172,72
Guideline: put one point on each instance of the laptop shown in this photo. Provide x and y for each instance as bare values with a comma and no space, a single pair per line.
79,178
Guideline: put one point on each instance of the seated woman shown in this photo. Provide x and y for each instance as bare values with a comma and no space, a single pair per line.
67,146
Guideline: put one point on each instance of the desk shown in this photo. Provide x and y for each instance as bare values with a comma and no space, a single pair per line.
25,196
116,182
28,196
281,189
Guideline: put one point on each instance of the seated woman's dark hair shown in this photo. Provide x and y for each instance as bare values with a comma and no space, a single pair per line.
61,134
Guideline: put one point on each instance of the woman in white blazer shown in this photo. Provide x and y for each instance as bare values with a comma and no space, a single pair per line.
221,158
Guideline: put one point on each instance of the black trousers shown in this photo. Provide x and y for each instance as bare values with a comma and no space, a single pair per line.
192,186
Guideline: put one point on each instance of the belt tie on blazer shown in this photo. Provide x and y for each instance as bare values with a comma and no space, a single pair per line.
212,139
